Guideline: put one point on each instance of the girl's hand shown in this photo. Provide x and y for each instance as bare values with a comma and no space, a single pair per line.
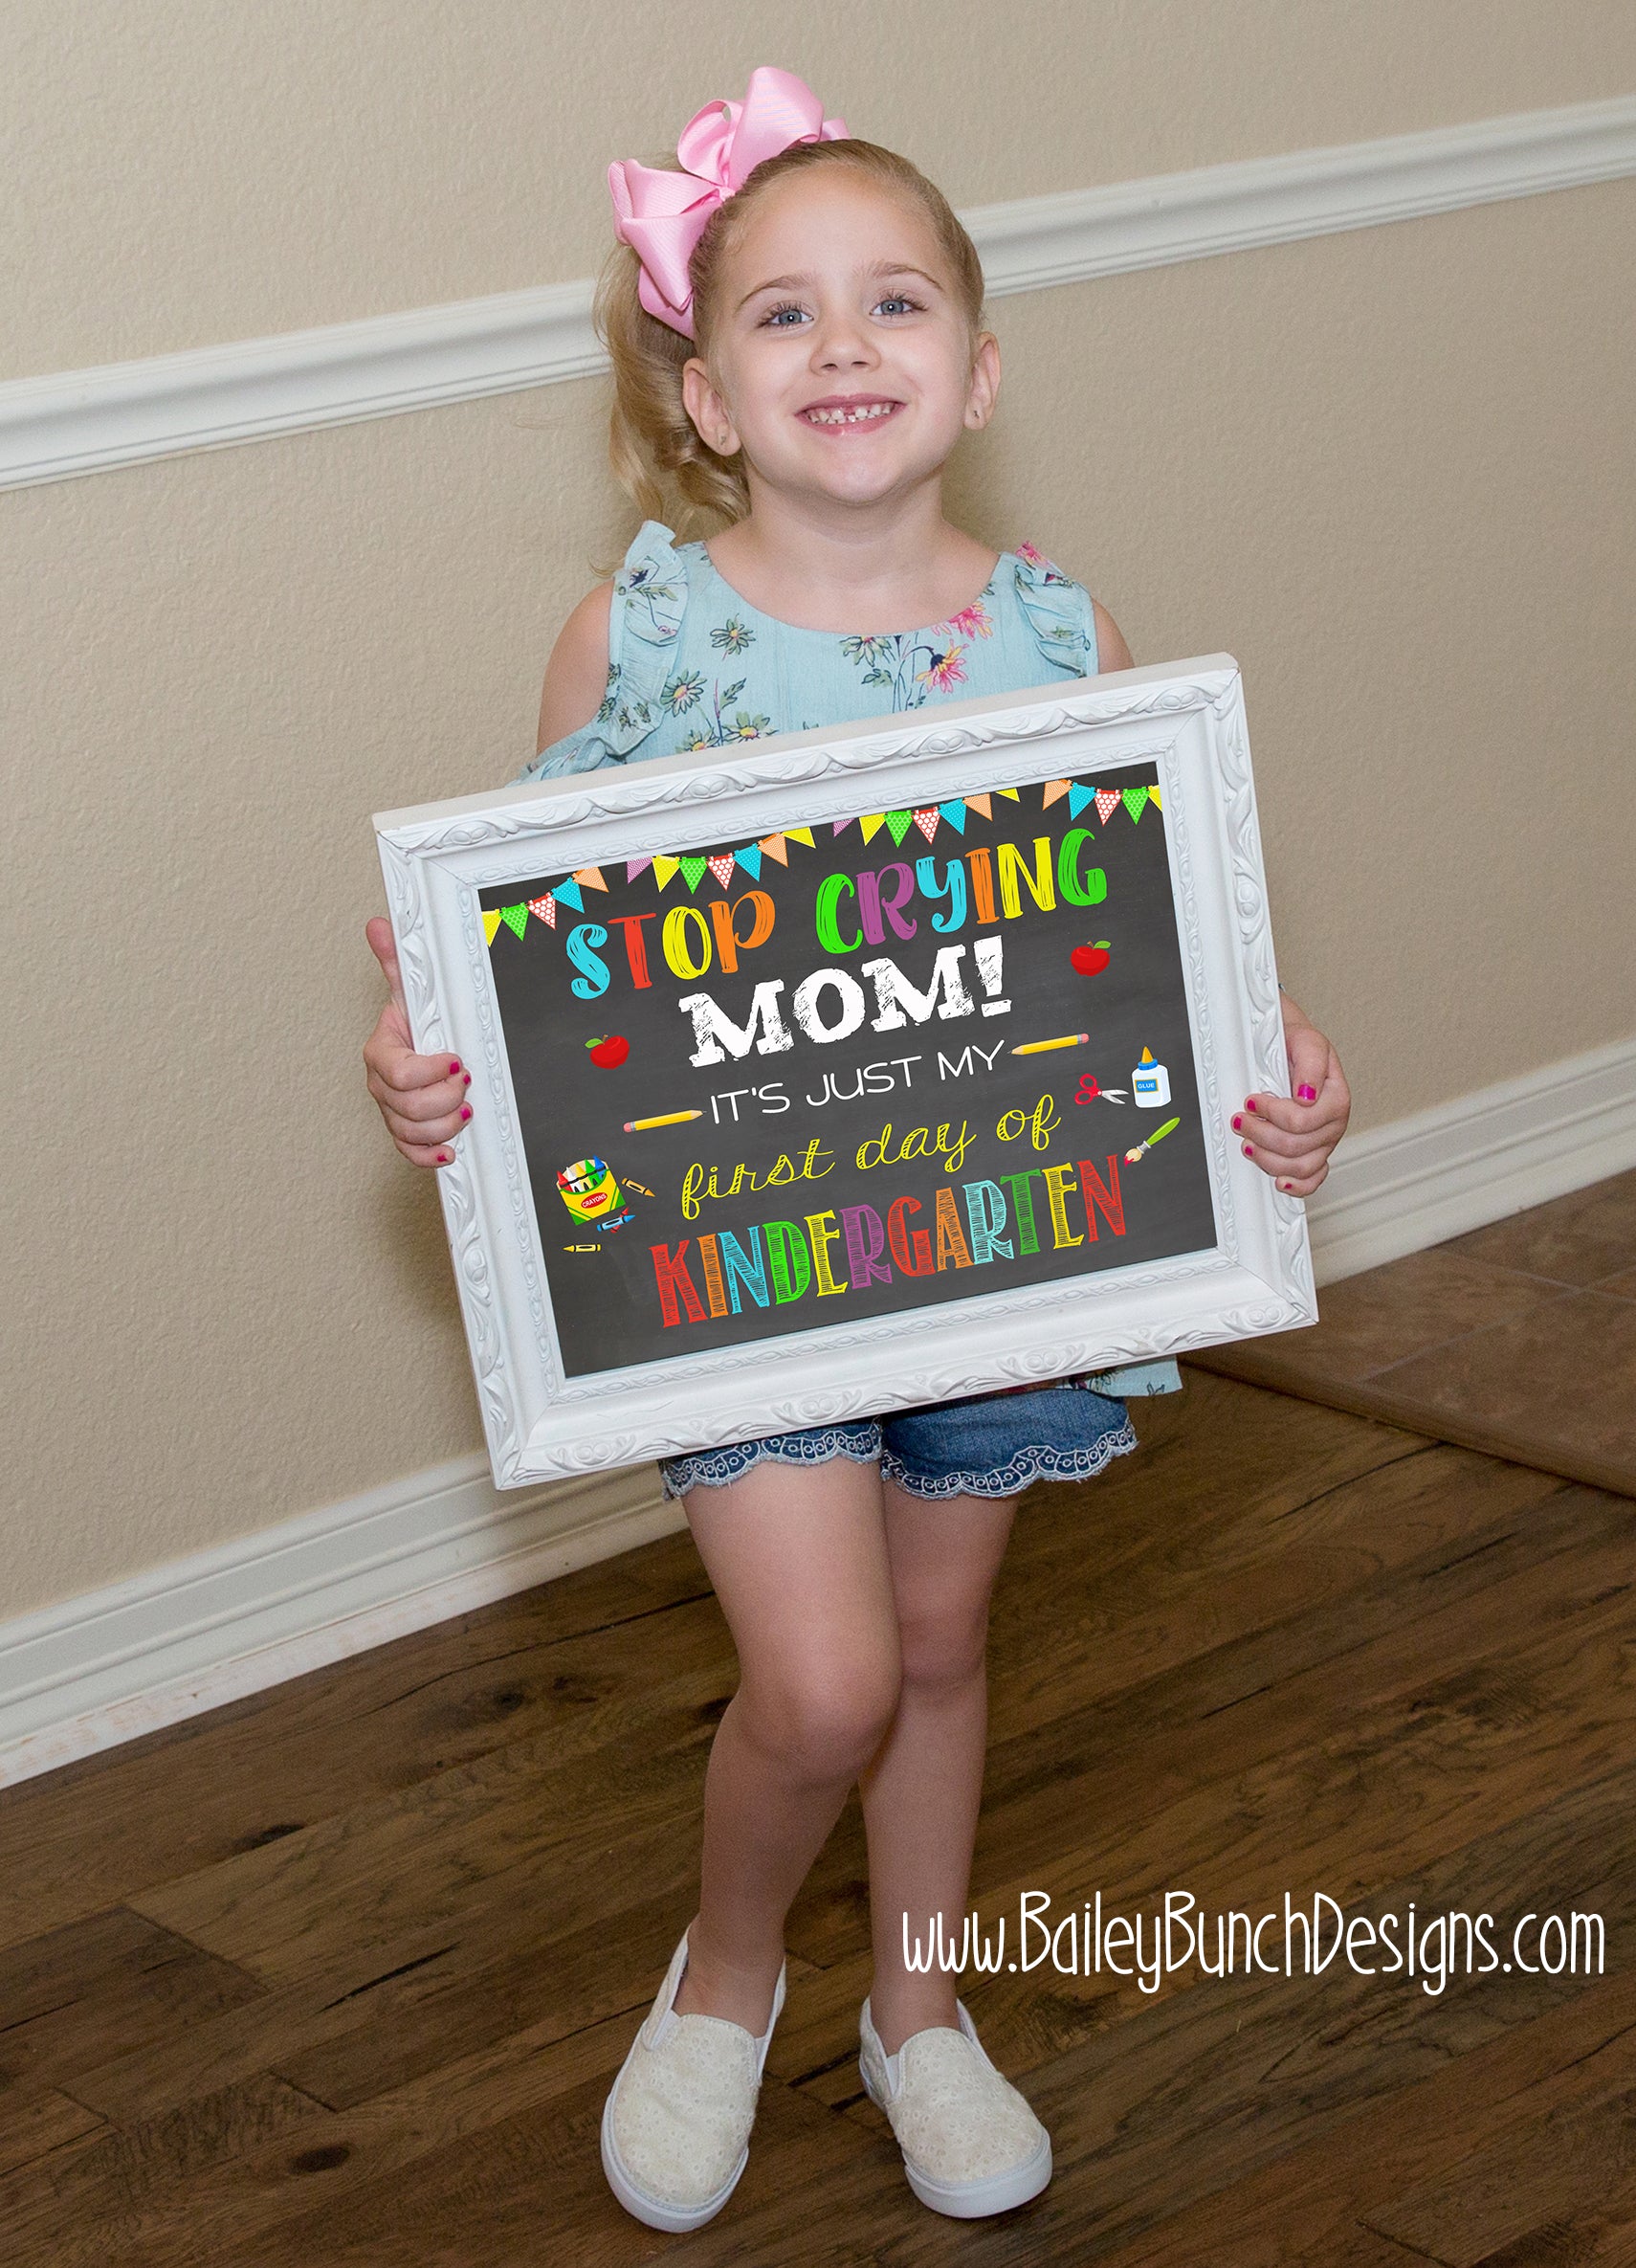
422,1097
1292,1140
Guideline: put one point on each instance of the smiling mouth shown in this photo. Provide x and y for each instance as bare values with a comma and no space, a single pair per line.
841,415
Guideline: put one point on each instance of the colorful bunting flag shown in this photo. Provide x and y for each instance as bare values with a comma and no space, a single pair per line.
1078,797
1054,791
635,866
800,834
515,918
546,909
872,825
841,826
591,876
773,845
1107,802
1015,793
980,803
954,814
899,824
692,870
1134,798
570,893
1153,796
750,860
927,821
720,864
491,922
664,870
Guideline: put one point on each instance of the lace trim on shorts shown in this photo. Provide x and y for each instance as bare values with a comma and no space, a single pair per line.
1039,1461
714,1468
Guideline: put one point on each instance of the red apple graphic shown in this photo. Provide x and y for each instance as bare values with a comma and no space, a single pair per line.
609,1052
1088,959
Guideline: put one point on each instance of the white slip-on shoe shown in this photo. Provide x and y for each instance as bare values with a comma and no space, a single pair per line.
675,2127
971,2144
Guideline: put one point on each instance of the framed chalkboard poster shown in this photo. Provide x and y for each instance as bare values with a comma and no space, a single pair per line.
851,1070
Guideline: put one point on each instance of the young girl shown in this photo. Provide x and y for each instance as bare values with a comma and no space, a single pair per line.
794,321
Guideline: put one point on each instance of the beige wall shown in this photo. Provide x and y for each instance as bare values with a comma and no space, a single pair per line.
1384,469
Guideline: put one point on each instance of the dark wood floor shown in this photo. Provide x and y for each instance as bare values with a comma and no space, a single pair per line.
342,1974
1519,1338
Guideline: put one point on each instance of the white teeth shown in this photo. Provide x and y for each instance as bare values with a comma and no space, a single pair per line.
850,416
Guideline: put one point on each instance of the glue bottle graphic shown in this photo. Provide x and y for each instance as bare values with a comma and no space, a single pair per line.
1150,1082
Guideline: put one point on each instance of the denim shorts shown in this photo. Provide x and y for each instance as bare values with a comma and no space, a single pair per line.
992,1445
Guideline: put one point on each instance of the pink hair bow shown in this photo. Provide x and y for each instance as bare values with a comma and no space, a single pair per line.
662,216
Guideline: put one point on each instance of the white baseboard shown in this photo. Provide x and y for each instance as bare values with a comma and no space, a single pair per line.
71,422
1397,1188
83,1675
188,1636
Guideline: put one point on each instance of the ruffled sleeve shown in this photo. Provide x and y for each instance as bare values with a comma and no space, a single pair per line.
644,623
1059,612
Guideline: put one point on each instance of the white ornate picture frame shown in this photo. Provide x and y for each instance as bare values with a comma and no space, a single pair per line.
1185,722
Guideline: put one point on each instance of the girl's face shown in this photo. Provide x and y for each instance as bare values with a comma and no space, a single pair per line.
841,361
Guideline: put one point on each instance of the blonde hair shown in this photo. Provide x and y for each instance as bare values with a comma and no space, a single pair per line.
653,445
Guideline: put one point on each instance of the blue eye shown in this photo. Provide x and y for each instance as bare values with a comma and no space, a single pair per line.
896,298
774,318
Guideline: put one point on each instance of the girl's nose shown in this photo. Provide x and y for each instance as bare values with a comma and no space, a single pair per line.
841,342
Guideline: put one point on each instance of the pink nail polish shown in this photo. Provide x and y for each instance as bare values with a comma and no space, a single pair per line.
444,1157
468,1079
1307,1094
1237,1121
1249,1149
1251,1103
465,1110
454,1067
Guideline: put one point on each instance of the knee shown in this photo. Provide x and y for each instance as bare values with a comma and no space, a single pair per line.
944,1646
824,1720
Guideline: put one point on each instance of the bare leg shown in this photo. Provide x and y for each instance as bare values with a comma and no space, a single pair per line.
922,1789
798,1558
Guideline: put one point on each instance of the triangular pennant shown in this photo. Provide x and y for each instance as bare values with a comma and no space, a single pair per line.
799,834
980,803
570,893
927,821
692,869
750,860
515,918
1054,791
491,922
1153,797
591,877
546,909
1134,798
840,827
664,869
872,825
954,814
635,866
1015,793
899,824
773,845
1107,802
1078,797
720,864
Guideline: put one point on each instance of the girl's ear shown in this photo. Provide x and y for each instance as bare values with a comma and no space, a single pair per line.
707,410
983,389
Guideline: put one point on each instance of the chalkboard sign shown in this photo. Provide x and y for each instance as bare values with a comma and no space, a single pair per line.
847,1070
853,1070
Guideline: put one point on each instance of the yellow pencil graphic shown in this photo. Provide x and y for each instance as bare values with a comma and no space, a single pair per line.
1038,1047
675,1118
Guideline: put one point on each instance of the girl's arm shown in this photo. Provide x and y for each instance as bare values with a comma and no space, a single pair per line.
424,1098
1291,1140
575,676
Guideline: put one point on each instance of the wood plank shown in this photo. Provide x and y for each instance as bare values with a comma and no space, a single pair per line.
90,1834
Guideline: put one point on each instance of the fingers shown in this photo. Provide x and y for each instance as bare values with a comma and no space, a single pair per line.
1291,1138
379,934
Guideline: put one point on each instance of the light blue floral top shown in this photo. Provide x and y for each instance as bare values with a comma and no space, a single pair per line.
693,665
